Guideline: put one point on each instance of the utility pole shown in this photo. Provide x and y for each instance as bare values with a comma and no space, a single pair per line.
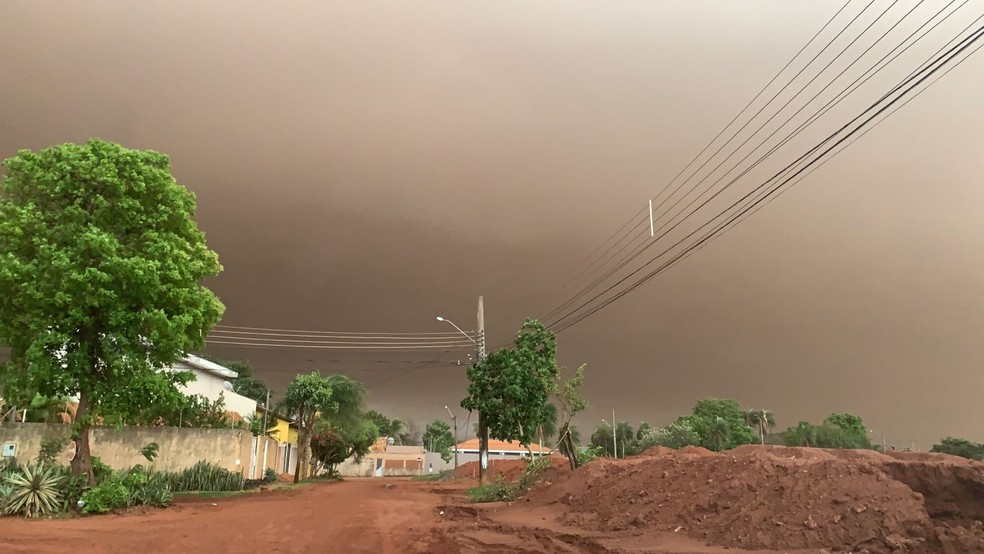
483,428
454,422
614,434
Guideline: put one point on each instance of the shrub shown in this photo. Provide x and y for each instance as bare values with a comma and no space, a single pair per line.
111,494
496,492
204,476
73,487
34,491
501,491
51,447
100,470
271,475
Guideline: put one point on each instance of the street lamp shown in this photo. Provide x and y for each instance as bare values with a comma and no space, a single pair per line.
454,421
467,336
614,437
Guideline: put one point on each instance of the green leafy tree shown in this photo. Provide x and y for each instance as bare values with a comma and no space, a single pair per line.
382,423
330,446
960,447
704,418
803,434
102,267
512,387
569,404
410,435
439,438
602,439
306,398
678,434
850,423
642,431
627,445
720,433
548,427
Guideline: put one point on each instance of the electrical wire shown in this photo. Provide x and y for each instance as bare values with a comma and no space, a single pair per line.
326,346
237,328
833,102
597,281
940,60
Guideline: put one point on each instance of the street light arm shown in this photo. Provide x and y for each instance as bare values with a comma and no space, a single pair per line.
475,342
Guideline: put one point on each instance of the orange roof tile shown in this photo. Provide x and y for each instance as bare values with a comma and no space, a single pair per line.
498,446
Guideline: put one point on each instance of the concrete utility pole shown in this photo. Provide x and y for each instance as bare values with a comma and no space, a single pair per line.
614,434
454,422
483,428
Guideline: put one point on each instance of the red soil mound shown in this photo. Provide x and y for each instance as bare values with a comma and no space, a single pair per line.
508,470
775,498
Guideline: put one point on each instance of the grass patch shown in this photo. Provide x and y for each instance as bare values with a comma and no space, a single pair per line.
501,491
440,476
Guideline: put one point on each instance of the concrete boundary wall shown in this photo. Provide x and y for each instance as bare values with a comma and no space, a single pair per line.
179,447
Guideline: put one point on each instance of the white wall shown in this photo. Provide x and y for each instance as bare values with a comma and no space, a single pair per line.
211,386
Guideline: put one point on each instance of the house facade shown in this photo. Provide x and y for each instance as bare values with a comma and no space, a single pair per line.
284,431
498,450
214,381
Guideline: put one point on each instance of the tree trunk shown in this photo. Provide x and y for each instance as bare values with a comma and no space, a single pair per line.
483,450
82,462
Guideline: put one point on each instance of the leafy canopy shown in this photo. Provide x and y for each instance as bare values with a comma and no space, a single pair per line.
512,386
439,438
960,447
102,266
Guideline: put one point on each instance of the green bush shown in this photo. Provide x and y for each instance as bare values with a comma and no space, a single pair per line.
501,491
100,470
72,488
111,494
34,491
204,476
271,475
496,492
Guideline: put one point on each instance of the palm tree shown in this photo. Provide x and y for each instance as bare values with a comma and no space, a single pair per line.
760,420
720,431
548,427
803,434
767,423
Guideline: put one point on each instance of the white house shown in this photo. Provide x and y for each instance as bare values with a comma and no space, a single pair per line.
213,380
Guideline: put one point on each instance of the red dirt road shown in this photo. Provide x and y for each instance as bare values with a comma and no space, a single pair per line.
359,515
352,516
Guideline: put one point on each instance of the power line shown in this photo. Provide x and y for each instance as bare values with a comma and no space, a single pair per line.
789,137
940,60
596,282
328,346
456,338
759,205
238,328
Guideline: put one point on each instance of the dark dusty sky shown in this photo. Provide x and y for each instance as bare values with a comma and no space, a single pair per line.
365,166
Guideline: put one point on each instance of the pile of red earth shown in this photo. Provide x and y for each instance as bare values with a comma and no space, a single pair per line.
507,470
775,498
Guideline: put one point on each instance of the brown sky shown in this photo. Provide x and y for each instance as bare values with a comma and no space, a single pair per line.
365,166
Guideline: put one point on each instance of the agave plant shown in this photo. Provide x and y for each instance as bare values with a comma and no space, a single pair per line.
34,491
6,491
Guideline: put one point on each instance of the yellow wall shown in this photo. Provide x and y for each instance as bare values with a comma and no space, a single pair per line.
280,428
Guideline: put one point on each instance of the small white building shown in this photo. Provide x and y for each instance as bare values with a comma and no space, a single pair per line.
212,381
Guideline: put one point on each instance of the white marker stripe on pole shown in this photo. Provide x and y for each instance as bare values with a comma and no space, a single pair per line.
652,233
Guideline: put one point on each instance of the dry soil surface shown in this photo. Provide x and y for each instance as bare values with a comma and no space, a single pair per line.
752,499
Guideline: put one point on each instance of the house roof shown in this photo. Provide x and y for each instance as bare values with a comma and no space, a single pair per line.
261,408
209,367
499,446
